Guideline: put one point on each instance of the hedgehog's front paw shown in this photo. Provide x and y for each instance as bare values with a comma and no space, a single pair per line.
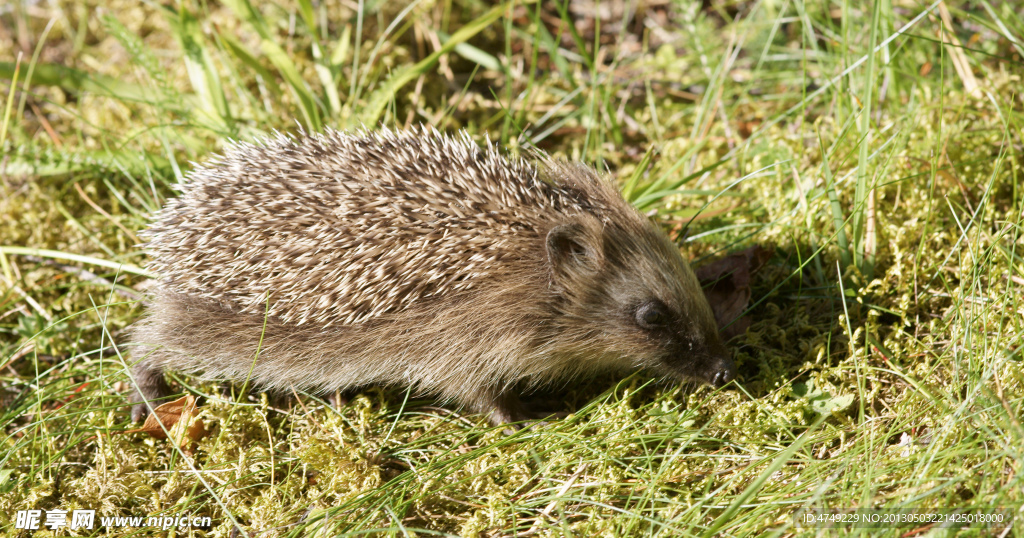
499,407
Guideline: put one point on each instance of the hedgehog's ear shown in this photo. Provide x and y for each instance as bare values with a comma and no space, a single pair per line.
571,251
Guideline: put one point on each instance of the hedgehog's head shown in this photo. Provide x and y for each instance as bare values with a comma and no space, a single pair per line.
624,293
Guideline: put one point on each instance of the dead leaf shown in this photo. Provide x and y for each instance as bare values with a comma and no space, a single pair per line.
726,284
179,419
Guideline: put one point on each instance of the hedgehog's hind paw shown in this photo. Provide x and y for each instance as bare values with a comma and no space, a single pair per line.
339,398
151,386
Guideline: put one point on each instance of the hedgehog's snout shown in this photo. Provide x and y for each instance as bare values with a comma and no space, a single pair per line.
712,366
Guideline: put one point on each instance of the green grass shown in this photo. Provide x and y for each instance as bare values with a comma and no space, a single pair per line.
883,367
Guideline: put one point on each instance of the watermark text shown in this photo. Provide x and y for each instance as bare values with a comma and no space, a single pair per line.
86,519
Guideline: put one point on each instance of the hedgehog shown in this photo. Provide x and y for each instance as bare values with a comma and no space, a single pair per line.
332,261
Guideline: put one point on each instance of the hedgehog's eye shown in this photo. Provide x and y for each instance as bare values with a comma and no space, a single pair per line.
651,315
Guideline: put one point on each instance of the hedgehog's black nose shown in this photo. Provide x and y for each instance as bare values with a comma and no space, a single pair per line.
722,370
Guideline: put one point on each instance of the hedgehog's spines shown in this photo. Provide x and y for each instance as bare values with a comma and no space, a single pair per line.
392,182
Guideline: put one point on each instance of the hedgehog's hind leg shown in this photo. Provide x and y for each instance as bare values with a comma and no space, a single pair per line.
149,377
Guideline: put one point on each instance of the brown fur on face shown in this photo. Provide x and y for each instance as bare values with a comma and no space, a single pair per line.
414,259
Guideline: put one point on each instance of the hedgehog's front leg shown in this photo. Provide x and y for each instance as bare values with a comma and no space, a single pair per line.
149,376
500,407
